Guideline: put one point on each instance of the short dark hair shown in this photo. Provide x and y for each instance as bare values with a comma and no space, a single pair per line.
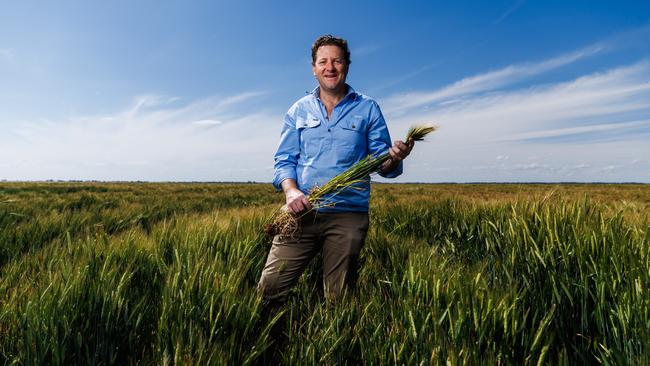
330,40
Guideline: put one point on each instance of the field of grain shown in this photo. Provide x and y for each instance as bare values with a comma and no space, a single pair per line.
128,273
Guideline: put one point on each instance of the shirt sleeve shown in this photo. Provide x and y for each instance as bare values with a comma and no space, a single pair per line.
379,139
286,157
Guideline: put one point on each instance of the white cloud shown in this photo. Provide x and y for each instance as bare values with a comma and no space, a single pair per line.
510,10
148,140
577,130
207,122
143,102
606,114
365,50
402,103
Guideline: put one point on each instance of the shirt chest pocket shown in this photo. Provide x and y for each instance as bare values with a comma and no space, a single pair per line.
350,139
310,137
357,125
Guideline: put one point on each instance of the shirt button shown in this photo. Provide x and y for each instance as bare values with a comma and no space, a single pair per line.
353,126
329,130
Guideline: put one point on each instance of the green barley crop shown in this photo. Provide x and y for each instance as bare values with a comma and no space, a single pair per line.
451,274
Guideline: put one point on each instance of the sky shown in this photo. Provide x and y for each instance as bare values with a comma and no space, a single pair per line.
523,91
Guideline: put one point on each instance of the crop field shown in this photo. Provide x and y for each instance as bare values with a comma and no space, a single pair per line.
143,273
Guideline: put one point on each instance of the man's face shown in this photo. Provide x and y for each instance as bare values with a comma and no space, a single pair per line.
330,68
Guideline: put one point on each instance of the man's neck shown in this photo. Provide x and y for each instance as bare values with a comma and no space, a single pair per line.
331,99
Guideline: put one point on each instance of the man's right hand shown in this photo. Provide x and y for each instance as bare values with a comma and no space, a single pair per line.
297,202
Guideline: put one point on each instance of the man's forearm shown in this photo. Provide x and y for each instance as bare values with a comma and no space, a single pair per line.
388,166
288,185
296,200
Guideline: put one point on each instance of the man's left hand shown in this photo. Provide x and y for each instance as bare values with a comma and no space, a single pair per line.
399,151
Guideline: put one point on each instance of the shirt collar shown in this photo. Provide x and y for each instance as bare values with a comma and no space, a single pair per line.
351,93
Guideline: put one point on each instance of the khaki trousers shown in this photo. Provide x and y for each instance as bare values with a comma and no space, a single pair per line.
340,236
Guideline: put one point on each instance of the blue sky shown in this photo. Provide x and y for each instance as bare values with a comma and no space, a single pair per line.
546,91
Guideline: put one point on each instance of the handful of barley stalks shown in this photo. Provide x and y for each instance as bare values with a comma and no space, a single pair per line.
285,222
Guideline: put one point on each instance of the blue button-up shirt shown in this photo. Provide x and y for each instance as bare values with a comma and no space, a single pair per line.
314,149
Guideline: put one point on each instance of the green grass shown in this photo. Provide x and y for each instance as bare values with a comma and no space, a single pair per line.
166,274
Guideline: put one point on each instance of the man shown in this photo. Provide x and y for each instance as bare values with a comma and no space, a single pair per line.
325,133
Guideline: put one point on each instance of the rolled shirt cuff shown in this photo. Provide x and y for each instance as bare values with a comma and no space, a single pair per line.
395,172
281,175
